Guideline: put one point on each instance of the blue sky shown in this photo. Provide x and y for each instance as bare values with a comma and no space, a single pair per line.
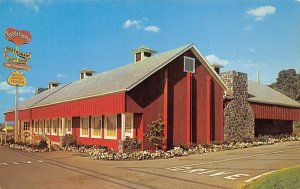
70,35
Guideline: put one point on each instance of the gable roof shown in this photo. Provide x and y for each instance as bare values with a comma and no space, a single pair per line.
263,94
117,80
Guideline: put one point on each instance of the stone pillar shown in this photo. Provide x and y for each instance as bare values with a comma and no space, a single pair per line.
238,114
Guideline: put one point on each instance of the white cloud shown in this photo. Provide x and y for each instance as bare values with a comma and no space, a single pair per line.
261,12
22,99
251,50
11,90
248,27
298,1
60,75
132,23
139,24
249,65
154,29
214,59
33,4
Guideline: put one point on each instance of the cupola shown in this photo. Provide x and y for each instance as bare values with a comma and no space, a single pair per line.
142,53
85,73
217,67
52,84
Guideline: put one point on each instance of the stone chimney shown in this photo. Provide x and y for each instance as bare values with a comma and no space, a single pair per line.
237,82
52,84
142,53
85,73
238,113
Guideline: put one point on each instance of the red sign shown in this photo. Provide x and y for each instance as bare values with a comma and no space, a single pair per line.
16,66
18,37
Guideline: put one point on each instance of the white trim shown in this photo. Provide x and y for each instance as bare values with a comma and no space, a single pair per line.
93,125
184,64
52,128
115,117
123,126
41,127
69,119
36,127
81,118
48,133
61,126
130,135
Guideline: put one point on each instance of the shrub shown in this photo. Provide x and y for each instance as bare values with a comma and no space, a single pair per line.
155,133
68,140
43,143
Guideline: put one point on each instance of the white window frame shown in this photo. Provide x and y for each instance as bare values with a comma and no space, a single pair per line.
60,127
130,135
46,128
105,127
81,123
184,68
93,127
41,126
25,126
36,127
66,126
52,127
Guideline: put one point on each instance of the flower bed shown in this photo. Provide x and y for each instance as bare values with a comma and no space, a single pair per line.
103,153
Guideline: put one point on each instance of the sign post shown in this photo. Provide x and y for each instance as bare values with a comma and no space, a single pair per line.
18,62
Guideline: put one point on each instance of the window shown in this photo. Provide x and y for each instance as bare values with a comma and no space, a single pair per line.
54,126
97,127
60,127
26,126
189,64
36,127
41,126
47,126
84,127
69,125
129,125
110,127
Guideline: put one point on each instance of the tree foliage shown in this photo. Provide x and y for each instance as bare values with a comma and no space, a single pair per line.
155,133
288,83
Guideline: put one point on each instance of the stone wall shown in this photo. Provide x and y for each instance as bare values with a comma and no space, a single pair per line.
238,114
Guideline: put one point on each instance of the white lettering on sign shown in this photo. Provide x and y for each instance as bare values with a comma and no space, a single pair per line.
233,177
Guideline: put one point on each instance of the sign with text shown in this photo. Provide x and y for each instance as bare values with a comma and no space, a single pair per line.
24,57
17,78
18,37
16,66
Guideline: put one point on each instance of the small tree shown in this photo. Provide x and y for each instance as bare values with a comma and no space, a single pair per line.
155,133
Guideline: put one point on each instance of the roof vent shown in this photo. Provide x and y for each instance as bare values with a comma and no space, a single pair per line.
217,67
189,64
39,90
142,53
52,84
85,73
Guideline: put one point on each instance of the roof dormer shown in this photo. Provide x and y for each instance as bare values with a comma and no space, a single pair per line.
85,73
217,67
142,53
52,84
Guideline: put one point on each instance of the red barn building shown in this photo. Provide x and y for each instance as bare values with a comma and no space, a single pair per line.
178,86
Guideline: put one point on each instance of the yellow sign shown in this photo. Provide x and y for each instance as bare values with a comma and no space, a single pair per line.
17,78
24,57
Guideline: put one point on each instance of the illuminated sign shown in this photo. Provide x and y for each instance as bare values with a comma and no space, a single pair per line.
25,56
18,37
16,66
17,78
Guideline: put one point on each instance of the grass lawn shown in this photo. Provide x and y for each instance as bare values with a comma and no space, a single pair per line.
283,179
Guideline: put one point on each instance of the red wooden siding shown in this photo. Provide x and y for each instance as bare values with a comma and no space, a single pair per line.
266,111
109,104
23,115
208,108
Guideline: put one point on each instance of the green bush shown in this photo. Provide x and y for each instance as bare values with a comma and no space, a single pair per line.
155,133
42,144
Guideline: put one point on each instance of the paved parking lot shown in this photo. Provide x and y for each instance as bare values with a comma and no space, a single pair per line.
226,169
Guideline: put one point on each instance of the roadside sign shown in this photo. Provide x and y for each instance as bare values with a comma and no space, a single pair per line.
18,37
17,78
16,66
